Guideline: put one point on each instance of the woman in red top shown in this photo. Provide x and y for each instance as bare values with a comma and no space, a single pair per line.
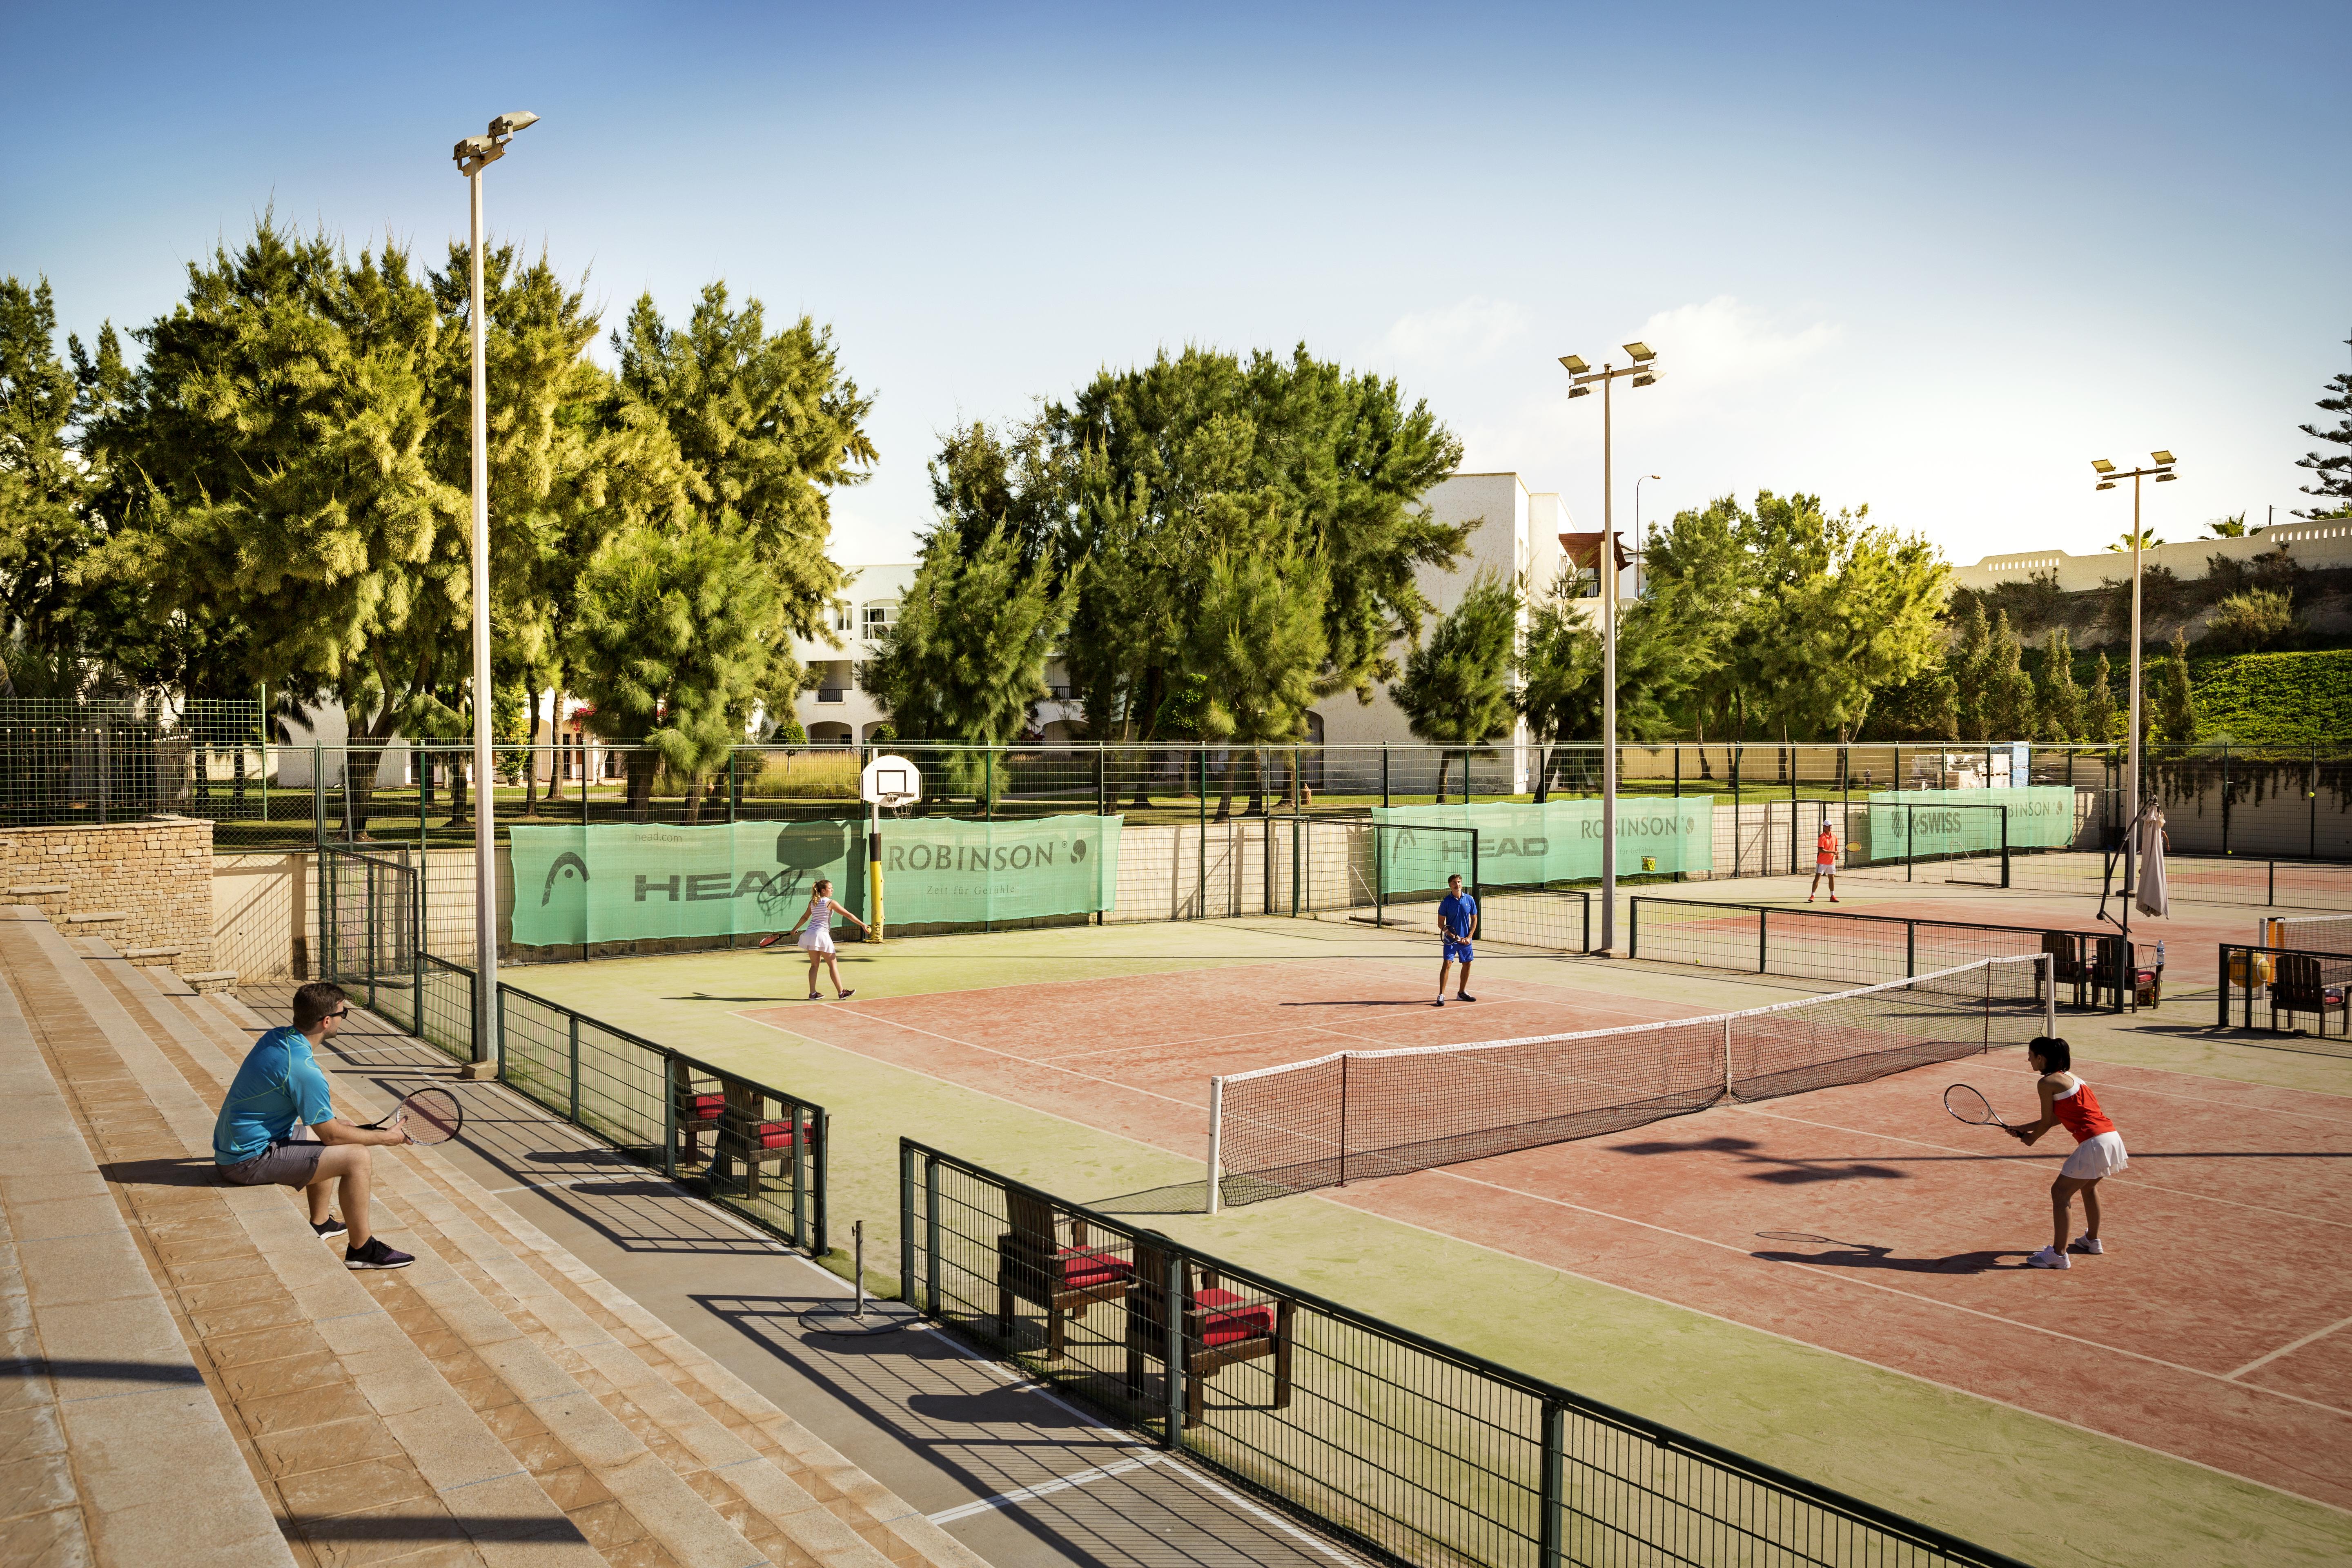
2067,1101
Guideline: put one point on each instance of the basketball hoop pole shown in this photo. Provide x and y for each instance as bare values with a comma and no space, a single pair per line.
874,863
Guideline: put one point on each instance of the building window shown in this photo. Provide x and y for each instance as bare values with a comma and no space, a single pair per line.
878,615
840,618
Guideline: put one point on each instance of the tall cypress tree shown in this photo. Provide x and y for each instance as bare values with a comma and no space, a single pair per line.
2062,700
2099,706
2333,469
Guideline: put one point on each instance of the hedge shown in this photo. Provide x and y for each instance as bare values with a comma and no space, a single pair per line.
2271,699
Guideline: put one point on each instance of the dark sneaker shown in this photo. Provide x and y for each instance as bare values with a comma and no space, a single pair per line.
849,993
376,1254
1464,996
1441,1002
330,1227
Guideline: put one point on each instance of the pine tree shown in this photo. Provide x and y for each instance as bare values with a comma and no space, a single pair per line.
965,662
1259,648
674,644
2099,706
1970,664
2331,469
2062,699
43,527
1456,686
2007,689
2176,698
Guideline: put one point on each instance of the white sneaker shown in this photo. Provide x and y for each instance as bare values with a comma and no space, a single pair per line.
2086,1245
2048,1258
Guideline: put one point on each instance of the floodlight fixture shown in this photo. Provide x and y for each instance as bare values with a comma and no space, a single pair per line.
1573,364
2101,465
508,124
1648,377
2161,456
1579,392
1642,353
472,147
2166,478
2106,484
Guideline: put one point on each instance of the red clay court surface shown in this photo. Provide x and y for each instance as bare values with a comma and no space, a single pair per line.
2219,1328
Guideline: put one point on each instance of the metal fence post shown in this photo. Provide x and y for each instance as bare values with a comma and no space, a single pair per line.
1763,938
1175,1348
803,1122
1384,775
669,1116
1102,781
1550,1492
317,795
906,1222
931,1235
2004,847
822,1124
374,929
575,1066
2222,990
1200,910
416,959
1907,841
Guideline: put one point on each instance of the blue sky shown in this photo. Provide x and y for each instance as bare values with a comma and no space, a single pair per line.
1930,258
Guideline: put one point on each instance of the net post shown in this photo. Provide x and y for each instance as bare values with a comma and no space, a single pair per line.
1549,1553
1726,1058
1910,948
1216,1141
2047,971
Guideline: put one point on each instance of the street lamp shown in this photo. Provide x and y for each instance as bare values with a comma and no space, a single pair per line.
1644,372
2159,470
474,154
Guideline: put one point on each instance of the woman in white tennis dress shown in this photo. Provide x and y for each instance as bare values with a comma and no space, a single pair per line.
814,934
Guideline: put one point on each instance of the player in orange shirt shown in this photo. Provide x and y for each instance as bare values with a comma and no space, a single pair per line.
2067,1101
1825,851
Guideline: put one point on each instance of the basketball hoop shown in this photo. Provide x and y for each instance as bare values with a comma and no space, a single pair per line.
892,784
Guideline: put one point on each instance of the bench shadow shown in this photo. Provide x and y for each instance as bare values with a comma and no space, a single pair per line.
162,1172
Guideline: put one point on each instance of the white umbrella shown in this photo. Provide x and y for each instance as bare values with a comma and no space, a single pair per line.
2152,899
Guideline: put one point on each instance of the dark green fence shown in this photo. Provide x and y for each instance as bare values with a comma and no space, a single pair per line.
755,1149
1409,1448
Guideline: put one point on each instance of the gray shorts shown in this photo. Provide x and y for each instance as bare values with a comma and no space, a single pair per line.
280,1164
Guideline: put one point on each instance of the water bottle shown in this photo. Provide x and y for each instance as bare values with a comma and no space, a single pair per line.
2160,955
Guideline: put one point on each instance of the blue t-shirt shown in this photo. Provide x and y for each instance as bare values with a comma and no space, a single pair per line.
1458,913
280,1085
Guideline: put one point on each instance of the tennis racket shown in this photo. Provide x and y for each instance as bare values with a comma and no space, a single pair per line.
427,1116
1970,1106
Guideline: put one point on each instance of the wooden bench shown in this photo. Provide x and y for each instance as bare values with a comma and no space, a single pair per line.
1221,1328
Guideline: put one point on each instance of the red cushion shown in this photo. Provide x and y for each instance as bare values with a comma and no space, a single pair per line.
705,1107
1226,1318
776,1135
1083,1267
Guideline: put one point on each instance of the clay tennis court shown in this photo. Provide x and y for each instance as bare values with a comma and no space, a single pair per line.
1860,1219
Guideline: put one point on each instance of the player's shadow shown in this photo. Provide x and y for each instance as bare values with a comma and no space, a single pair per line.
1848,1255
1780,1170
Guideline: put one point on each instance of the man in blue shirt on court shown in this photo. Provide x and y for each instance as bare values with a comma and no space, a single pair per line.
280,1088
1457,920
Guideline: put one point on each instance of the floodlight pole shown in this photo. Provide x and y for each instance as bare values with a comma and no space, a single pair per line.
474,154
2161,469
1644,370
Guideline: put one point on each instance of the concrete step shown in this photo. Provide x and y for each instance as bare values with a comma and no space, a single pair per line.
751,1459
350,1436
619,1496
110,1442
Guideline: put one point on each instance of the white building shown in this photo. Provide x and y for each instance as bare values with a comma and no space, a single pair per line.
2317,544
1517,536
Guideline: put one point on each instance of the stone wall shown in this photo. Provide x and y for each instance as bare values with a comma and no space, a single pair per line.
146,887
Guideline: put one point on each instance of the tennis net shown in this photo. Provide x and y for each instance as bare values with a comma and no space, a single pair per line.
1357,1115
2305,933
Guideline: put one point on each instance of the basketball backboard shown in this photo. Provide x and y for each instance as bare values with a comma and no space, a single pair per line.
890,781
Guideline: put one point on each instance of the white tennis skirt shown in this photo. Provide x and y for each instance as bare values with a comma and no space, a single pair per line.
816,939
2100,1156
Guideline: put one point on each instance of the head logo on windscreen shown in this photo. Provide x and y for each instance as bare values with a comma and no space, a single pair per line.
578,867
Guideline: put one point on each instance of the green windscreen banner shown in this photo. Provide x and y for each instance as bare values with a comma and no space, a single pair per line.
1968,821
639,881
1527,844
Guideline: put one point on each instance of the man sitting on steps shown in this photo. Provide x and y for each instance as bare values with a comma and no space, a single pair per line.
280,1087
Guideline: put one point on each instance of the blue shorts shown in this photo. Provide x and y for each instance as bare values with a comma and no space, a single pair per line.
1457,952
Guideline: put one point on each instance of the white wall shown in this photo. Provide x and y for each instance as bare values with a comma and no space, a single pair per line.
2310,544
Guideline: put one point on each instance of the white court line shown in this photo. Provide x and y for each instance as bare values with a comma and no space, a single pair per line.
1043,1488
2264,1361
1201,1105
1011,1380
2026,1164
1847,1279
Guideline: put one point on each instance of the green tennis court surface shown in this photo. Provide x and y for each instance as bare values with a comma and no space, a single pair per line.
1079,1059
